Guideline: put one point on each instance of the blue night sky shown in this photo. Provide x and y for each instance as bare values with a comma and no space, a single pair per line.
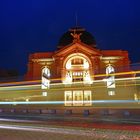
28,26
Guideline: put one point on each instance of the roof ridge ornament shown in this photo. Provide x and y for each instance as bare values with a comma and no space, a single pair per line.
76,36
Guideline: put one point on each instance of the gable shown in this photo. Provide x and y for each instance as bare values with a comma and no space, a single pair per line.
77,48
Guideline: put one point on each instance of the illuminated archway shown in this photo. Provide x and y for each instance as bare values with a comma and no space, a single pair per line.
77,69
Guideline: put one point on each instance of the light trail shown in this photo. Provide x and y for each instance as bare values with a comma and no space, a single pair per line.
36,82
20,87
63,88
17,120
85,133
48,129
62,102
24,87
20,83
34,88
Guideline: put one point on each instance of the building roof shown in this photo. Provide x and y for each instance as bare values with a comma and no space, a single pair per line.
85,37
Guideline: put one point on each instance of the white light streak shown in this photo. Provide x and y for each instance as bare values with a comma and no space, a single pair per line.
62,102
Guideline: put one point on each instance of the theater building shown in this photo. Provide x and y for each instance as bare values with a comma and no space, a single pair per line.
80,72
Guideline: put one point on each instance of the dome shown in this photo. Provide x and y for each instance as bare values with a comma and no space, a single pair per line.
85,37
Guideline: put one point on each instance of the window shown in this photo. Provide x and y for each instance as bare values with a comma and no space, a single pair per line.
68,98
45,83
77,61
46,73
110,78
110,69
44,93
87,98
78,98
45,78
111,92
77,76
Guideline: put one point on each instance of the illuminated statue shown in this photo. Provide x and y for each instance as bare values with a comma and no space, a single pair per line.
76,37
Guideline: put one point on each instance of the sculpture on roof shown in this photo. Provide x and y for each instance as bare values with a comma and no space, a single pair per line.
76,37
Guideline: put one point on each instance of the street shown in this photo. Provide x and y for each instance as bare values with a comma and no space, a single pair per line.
30,128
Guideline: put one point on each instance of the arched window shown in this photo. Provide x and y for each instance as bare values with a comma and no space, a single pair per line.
77,69
45,78
110,79
110,69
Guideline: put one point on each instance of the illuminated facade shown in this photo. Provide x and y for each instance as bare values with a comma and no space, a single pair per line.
77,60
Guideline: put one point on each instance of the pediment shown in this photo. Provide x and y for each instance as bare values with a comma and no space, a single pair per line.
78,48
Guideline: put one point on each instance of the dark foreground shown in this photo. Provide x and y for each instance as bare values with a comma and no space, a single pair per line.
54,133
50,127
